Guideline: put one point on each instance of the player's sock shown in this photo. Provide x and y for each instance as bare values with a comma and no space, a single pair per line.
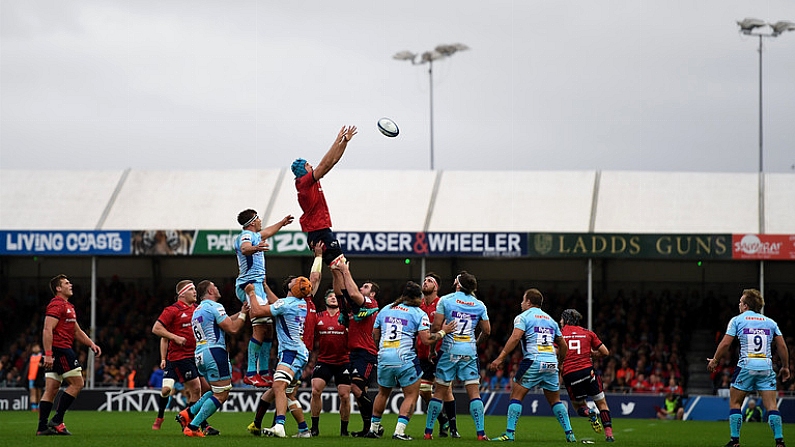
279,419
44,414
434,410
400,427
562,413
343,426
476,410
735,422
302,426
162,403
63,404
264,358
262,408
254,346
774,420
584,411
315,421
207,409
375,423
449,409
195,407
514,411
607,421
366,410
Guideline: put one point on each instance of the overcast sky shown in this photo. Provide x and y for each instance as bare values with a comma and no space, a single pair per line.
546,85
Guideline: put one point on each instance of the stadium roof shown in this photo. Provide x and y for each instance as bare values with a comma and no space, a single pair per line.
371,200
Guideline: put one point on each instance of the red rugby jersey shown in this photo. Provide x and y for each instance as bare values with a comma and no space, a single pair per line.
313,203
176,319
63,334
580,341
332,339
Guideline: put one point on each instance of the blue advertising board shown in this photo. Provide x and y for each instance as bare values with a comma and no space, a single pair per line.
65,242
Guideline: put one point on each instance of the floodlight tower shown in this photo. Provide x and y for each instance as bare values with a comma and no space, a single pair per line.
440,52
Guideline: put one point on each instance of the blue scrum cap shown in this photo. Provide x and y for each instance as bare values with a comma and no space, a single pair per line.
299,167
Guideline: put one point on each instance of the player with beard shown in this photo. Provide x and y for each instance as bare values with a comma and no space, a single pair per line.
363,351
429,355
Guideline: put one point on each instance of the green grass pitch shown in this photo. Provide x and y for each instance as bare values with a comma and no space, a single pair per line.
130,429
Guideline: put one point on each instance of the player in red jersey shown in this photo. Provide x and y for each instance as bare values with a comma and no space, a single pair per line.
429,355
316,220
363,352
578,374
333,362
60,360
177,346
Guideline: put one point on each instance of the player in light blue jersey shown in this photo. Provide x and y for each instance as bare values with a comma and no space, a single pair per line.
210,322
290,315
395,331
756,334
250,248
458,358
538,334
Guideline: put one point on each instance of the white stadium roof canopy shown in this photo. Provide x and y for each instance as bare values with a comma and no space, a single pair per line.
434,201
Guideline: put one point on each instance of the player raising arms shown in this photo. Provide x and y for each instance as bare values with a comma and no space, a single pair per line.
538,334
250,248
290,313
316,220
458,358
291,390
578,373
333,362
363,351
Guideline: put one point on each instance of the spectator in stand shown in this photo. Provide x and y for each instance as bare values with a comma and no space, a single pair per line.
500,382
639,384
656,386
156,377
674,387
625,372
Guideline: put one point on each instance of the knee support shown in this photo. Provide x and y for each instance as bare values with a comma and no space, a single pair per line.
221,389
282,376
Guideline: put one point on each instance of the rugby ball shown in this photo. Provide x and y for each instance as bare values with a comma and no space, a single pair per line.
388,127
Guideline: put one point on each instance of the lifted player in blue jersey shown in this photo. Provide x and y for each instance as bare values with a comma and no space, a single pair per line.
250,248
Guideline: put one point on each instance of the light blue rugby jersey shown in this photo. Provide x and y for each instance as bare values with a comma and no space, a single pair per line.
289,317
399,327
755,333
467,311
252,267
206,329
540,331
